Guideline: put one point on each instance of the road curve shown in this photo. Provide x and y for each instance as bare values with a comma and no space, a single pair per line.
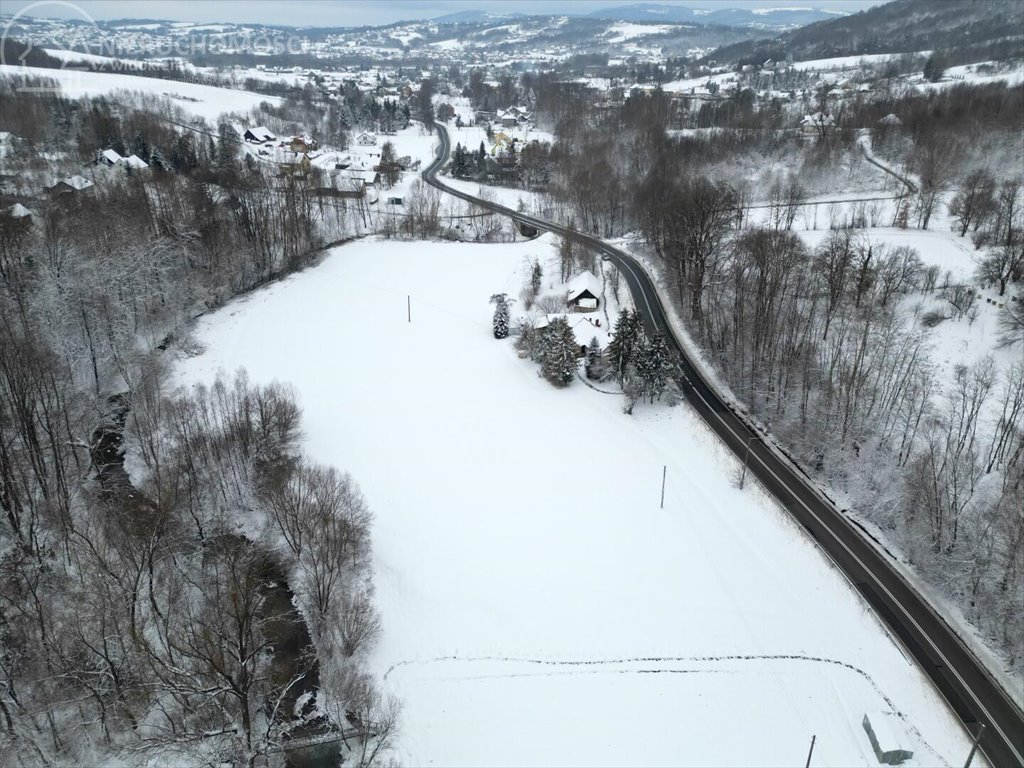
969,689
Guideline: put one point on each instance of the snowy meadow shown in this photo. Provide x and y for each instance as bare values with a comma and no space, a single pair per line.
538,605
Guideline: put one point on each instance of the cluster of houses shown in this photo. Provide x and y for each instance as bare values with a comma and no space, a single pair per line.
513,117
111,158
298,154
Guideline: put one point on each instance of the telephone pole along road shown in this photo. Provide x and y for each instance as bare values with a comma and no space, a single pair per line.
970,690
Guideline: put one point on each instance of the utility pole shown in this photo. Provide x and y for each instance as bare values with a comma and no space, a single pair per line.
408,307
974,746
664,471
811,752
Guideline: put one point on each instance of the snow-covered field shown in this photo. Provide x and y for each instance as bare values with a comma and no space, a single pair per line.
940,248
625,30
850,62
539,607
200,100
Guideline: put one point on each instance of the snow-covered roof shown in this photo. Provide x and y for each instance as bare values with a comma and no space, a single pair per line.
890,119
18,211
817,119
75,182
262,133
286,156
365,175
889,734
134,161
329,159
111,156
585,281
583,327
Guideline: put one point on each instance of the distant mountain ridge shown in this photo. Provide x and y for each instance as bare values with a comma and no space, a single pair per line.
769,18
992,28
656,13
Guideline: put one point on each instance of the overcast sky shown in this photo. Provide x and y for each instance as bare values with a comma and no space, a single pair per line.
336,13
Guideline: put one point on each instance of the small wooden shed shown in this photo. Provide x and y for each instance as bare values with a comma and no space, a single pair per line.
887,737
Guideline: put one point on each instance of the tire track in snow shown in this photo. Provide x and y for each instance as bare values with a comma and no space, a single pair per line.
647,660
586,666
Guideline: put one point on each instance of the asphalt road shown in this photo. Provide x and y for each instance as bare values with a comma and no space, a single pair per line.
959,676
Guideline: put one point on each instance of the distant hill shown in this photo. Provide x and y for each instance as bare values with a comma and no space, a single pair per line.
470,17
989,27
761,18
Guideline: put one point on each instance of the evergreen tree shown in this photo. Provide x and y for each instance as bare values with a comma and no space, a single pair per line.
183,154
227,147
625,339
935,67
535,277
481,160
653,365
460,168
501,315
156,160
140,146
595,366
559,356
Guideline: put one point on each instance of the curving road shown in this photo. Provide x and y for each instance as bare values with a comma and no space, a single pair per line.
960,677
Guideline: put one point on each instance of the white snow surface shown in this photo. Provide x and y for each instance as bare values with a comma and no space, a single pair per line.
200,100
538,606
626,30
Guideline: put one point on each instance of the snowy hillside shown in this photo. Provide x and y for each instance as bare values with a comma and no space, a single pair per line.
200,100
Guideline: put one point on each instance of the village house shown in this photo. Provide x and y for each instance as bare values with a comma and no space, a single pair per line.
502,143
366,139
70,185
583,328
817,124
296,163
302,144
583,292
110,157
258,135
445,112
19,215
361,175
135,162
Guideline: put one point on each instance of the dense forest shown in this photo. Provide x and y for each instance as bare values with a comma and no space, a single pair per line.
177,579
